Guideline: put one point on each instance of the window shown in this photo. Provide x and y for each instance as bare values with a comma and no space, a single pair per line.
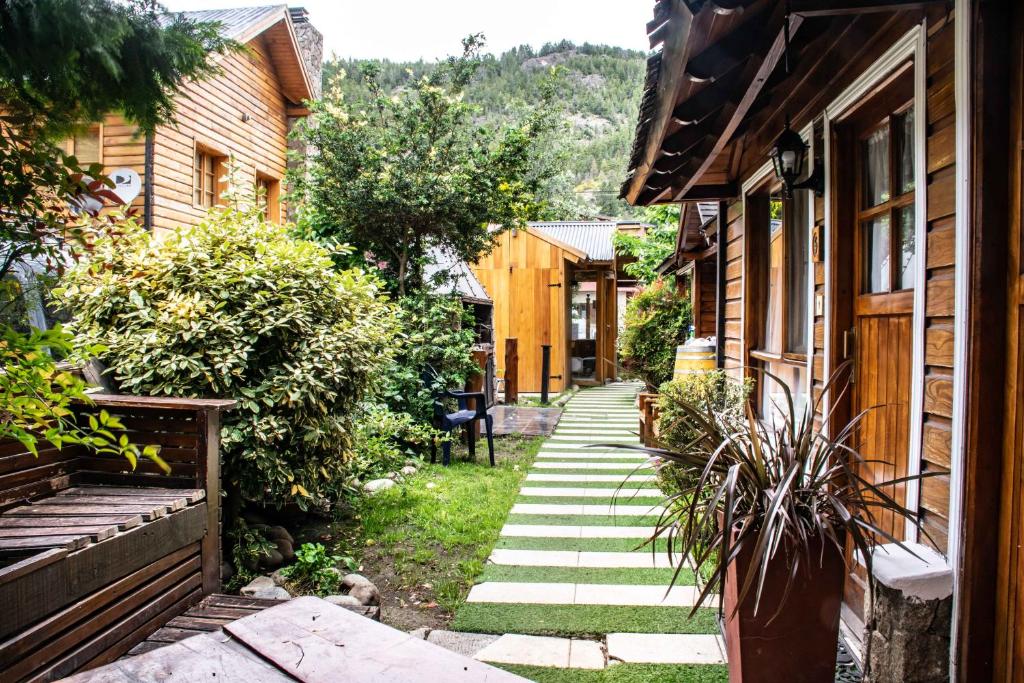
207,169
86,145
886,205
268,197
781,262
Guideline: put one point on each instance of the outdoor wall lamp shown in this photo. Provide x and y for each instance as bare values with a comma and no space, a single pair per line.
788,156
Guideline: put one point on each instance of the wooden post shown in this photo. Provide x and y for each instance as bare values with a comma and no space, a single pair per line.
511,371
476,382
545,371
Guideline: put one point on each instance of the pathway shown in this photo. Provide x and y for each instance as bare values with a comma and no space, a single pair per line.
566,586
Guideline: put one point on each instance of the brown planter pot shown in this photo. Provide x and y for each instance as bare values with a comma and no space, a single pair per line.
798,645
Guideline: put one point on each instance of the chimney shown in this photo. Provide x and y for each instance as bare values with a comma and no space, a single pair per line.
311,45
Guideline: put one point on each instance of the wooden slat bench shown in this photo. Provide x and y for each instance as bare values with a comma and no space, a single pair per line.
95,557
212,614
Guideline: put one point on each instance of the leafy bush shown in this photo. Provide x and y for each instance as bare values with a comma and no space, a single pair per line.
236,308
657,320
384,440
437,331
314,571
712,390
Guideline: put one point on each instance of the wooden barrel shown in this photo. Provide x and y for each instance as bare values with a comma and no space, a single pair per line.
694,358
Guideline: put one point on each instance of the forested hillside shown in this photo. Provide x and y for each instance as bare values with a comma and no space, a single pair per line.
599,87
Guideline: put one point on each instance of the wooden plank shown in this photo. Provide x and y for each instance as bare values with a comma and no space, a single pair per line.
93,533
11,546
154,502
121,522
940,295
941,243
40,509
311,640
189,495
30,564
938,346
161,402
208,657
938,395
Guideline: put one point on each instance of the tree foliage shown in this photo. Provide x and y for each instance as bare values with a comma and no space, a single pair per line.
64,64
657,320
654,246
236,308
599,91
403,173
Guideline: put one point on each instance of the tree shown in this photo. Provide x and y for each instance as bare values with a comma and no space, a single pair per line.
400,174
63,64
653,247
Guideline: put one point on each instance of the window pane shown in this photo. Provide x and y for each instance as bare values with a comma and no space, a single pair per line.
907,247
875,174
87,146
876,255
797,275
774,406
773,312
197,181
904,126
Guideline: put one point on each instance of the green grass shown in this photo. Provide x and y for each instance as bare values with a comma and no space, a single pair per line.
581,620
625,498
586,520
441,534
624,673
639,577
621,545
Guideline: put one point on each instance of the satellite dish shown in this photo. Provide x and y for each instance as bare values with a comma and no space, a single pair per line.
127,184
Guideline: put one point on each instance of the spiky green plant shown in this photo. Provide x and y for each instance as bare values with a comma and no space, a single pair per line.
781,490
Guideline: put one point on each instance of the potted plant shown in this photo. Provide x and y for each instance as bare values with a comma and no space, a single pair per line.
768,519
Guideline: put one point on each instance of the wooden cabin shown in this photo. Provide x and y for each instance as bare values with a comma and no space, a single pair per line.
556,284
898,248
694,263
244,114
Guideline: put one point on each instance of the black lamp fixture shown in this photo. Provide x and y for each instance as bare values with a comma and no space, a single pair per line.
790,150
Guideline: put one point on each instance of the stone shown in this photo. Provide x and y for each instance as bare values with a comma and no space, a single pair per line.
279,532
431,485
665,648
408,470
910,615
279,578
272,559
529,650
264,587
466,644
366,593
284,547
349,581
226,571
392,475
420,633
376,485
343,601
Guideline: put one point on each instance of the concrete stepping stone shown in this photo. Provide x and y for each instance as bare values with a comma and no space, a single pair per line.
554,465
582,594
665,648
466,644
596,510
597,455
588,478
561,653
572,531
588,559
559,491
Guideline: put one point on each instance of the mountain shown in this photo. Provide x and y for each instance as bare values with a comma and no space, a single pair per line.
600,89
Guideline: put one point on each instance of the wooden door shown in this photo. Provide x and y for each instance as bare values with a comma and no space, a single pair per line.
880,339
1009,617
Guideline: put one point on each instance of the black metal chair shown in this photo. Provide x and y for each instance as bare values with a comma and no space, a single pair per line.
448,422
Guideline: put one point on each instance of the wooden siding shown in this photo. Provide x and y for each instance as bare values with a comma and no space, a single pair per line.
939,328
209,114
704,300
733,245
527,278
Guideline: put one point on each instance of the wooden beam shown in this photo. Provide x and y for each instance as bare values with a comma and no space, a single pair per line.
832,8
698,193
730,51
750,92
709,100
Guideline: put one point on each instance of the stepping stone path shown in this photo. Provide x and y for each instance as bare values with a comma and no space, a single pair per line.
567,585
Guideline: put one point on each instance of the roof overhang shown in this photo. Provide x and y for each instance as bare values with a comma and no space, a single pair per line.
282,45
718,92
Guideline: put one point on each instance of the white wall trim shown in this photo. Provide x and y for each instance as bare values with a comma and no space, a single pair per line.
808,135
962,92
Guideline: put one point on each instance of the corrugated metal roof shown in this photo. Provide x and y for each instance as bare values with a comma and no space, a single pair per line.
452,276
234,22
593,238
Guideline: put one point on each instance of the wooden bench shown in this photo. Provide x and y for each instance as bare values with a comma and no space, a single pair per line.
95,557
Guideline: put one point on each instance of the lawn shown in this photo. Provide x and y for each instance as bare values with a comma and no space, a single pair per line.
423,543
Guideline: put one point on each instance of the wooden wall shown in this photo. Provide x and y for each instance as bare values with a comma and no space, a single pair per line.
703,297
208,113
733,245
938,371
527,279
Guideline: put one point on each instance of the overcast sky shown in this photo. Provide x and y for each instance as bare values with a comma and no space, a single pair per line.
404,30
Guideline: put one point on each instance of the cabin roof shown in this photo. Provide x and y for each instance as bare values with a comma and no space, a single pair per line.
274,23
592,238
460,279
718,91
